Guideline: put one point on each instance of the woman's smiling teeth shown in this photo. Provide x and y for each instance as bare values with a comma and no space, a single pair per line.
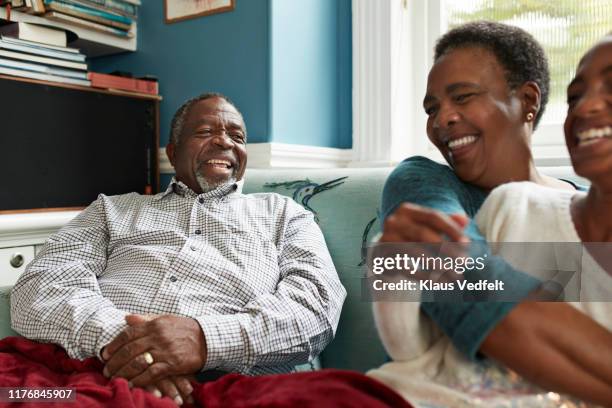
219,163
593,135
462,141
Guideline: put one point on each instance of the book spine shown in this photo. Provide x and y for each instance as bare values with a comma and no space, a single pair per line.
92,12
8,45
43,77
38,7
74,12
122,2
23,8
66,18
128,84
125,7
29,66
7,37
150,89
43,60
126,10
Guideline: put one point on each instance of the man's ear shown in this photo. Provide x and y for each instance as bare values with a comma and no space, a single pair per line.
170,152
531,97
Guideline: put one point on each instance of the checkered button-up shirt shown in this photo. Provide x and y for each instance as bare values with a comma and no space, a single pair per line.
253,270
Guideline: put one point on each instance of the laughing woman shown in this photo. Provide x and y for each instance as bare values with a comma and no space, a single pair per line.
524,211
485,95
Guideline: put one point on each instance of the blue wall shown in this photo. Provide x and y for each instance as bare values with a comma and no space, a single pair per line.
286,64
307,72
345,74
226,52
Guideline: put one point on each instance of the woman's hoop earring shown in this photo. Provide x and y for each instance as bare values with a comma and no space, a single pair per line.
529,117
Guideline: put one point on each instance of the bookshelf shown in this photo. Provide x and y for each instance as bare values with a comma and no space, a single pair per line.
91,42
83,141
36,128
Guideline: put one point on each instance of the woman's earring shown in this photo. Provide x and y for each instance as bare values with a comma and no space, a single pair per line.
529,117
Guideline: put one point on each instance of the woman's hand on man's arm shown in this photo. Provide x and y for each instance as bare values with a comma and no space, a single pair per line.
414,223
556,347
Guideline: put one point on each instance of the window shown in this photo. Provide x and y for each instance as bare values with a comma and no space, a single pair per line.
565,28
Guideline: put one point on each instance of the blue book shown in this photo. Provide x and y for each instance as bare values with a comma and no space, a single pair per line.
117,5
35,44
83,11
112,6
65,18
42,76
13,45
27,66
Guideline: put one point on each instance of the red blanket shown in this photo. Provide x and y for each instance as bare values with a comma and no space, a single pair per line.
24,363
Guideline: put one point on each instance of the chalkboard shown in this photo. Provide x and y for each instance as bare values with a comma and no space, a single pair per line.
61,147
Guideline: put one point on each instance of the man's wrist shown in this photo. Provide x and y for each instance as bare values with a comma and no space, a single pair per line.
203,351
102,328
225,347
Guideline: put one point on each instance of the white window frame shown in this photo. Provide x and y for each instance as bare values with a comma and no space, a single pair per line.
393,43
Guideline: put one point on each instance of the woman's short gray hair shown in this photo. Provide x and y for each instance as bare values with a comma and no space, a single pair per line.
518,52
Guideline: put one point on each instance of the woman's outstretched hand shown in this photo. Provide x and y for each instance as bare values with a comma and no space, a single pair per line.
414,223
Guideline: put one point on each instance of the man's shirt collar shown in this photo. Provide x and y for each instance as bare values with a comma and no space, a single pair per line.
179,188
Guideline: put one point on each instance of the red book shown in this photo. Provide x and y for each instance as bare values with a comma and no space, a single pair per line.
99,80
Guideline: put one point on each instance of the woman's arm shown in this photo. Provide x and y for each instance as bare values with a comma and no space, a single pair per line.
418,201
404,331
552,344
556,347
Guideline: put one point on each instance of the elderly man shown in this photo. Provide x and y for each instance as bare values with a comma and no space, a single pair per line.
197,278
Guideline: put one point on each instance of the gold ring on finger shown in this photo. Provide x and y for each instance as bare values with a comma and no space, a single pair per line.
148,357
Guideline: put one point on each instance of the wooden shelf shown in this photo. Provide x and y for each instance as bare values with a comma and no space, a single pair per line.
93,43
118,92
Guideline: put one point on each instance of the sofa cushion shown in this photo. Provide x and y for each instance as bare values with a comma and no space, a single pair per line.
5,313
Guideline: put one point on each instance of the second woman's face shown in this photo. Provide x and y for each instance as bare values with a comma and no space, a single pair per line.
474,119
588,126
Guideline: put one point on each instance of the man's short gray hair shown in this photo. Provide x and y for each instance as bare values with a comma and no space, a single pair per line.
178,121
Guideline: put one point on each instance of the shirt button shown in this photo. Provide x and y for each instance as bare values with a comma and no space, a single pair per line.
173,279
201,200
198,232
193,248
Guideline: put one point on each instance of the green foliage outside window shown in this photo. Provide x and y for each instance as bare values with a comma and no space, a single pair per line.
565,28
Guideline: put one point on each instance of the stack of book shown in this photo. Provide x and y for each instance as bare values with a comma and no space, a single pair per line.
29,6
116,17
31,51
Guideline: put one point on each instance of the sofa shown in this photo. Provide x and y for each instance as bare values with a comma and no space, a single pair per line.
345,203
